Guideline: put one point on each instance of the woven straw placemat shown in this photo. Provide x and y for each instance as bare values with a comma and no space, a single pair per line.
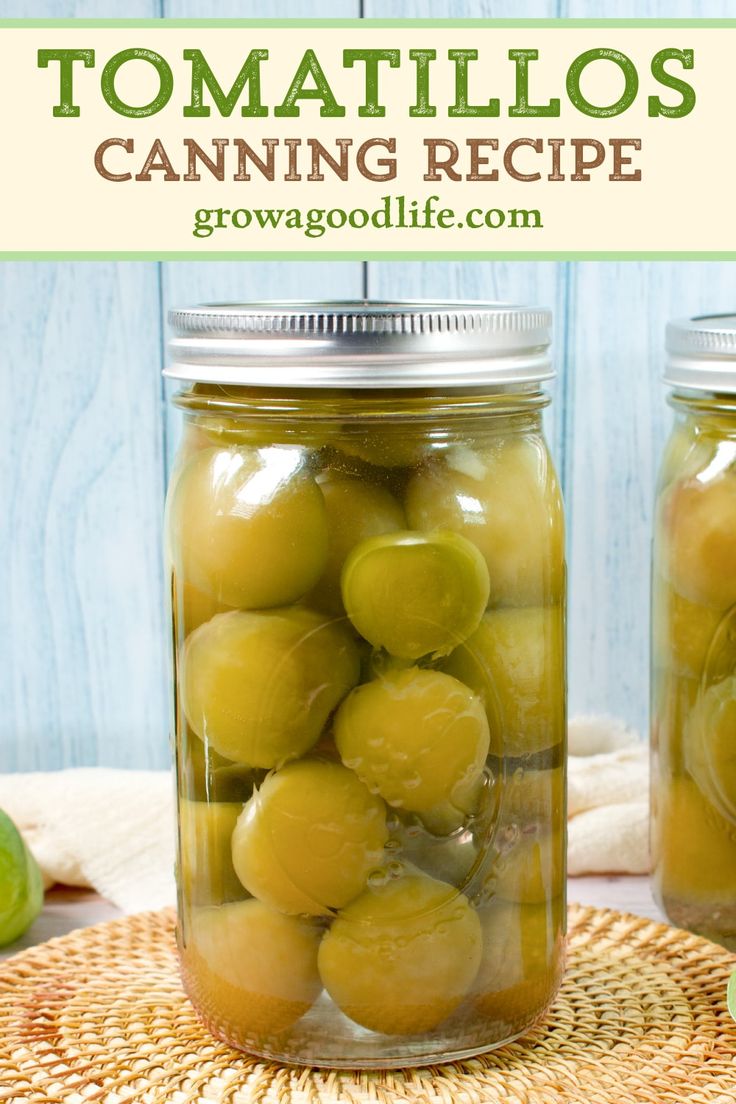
100,1015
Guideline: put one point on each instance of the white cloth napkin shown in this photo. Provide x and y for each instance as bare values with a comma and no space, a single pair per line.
607,798
113,830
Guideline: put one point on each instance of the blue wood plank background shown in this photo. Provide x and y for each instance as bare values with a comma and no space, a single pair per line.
88,437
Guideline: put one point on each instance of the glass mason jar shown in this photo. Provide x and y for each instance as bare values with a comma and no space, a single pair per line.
365,545
694,636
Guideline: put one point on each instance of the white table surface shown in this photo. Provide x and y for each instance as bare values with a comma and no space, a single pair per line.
67,909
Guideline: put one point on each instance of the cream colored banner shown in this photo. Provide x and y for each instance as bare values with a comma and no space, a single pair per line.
399,181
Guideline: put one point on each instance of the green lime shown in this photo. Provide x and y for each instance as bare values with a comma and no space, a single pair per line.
21,886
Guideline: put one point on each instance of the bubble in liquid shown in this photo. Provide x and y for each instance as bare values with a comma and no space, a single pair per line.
507,837
487,891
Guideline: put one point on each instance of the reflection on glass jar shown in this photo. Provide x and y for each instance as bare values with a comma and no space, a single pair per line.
368,610
694,637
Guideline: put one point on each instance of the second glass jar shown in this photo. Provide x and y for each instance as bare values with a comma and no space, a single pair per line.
694,636
368,596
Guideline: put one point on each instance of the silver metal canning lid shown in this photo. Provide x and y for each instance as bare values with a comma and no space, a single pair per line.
361,344
701,353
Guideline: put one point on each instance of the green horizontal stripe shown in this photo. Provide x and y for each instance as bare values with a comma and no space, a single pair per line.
362,255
